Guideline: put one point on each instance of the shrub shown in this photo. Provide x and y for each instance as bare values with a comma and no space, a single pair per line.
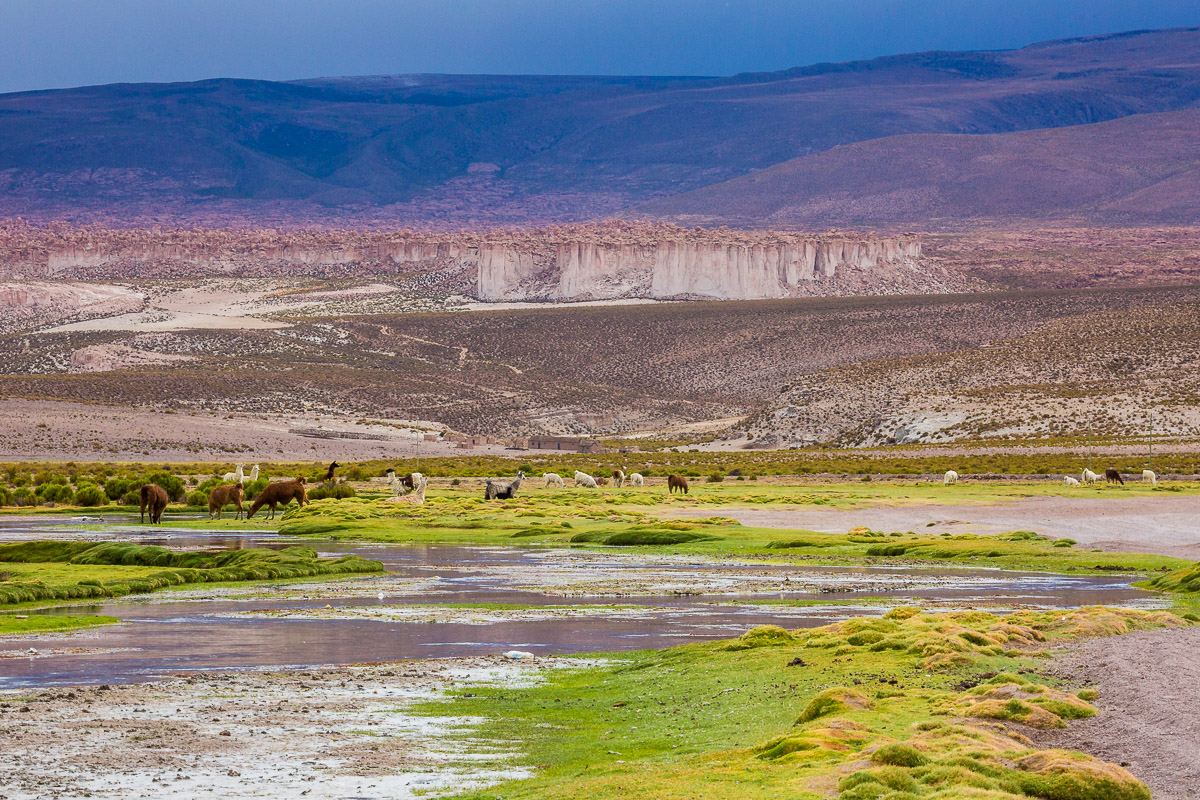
116,488
6,497
132,498
90,495
24,497
252,490
169,482
198,498
715,477
456,482
338,491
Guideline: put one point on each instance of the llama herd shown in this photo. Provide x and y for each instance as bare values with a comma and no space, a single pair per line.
1085,478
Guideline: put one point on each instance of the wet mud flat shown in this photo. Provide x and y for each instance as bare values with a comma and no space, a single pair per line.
325,733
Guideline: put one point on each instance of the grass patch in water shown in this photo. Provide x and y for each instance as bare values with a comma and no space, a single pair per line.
807,715
55,570
22,625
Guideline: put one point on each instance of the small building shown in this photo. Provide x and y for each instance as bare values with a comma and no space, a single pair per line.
567,444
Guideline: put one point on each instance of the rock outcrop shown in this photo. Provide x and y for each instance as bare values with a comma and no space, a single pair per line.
606,261
30,303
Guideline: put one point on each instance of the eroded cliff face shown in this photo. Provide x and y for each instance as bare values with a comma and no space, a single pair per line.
606,261
27,303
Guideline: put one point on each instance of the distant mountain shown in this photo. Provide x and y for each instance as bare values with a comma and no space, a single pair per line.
484,150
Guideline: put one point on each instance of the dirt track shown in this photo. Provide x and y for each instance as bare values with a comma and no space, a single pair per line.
1164,525
1149,684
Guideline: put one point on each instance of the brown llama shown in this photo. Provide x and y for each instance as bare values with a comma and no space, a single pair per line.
279,493
677,482
329,472
222,496
1112,476
618,478
154,500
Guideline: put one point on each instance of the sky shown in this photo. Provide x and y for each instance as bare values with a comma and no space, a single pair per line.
60,43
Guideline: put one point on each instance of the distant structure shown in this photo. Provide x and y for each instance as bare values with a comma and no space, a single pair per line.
570,444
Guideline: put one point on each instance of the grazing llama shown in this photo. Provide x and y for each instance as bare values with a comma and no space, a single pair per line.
153,499
618,477
236,475
553,479
1148,475
403,485
1069,481
1112,476
636,479
677,482
279,493
950,477
585,480
1088,476
222,496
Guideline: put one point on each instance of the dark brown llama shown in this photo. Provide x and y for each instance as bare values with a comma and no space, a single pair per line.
1112,476
279,493
329,472
154,500
677,482
221,496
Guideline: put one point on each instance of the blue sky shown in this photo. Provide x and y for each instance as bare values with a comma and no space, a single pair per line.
57,43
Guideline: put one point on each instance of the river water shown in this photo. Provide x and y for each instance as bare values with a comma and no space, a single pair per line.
648,602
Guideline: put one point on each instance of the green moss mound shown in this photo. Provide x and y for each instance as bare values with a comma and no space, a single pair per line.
833,701
899,755
1181,580
762,636
178,568
635,537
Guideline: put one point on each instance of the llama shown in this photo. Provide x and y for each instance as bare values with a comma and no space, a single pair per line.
677,482
329,472
236,475
221,496
153,499
1069,481
495,491
279,493
1088,476
403,485
636,480
950,477
1112,476
253,474
416,496
585,480
618,477
1148,475
553,479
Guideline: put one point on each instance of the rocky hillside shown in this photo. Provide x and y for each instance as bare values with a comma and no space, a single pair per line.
581,262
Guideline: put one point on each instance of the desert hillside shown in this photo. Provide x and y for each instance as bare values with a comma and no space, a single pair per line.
441,151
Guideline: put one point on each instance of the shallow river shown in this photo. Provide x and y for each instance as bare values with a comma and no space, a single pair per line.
647,602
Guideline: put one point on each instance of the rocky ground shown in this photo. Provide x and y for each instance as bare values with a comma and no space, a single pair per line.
1149,685
330,733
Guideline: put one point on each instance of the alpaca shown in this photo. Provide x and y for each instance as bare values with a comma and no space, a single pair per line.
950,477
677,482
329,472
416,496
1088,476
636,480
1148,475
1112,476
618,478
1069,481
403,485
154,500
236,475
279,493
553,479
494,491
221,496
584,480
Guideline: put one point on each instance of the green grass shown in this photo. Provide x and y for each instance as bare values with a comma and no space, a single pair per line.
53,571
650,519
20,624
783,714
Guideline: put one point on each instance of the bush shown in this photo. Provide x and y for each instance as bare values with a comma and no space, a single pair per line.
456,482
24,497
55,493
132,498
252,490
90,495
6,497
338,491
716,477
198,498
116,488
